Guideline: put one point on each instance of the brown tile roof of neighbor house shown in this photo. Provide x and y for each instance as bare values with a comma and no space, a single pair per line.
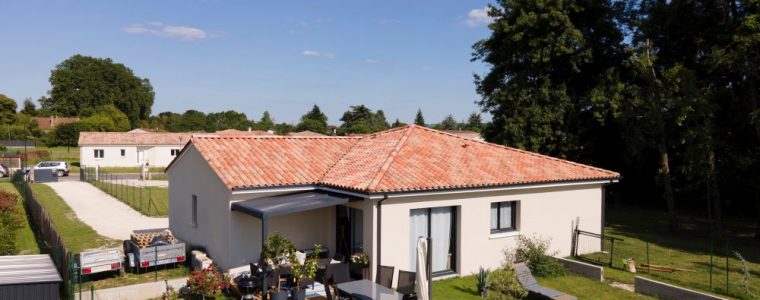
305,133
48,123
409,158
235,132
134,138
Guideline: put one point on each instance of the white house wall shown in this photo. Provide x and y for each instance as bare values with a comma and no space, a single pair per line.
548,212
193,176
156,156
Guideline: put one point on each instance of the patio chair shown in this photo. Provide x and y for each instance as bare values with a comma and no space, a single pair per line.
534,289
338,273
385,276
405,284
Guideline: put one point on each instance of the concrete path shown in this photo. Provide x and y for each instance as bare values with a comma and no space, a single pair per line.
150,290
107,215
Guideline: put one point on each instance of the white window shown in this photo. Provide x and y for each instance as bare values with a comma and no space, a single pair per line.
98,153
503,216
195,212
123,152
175,152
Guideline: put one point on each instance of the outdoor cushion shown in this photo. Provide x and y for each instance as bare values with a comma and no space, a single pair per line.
300,257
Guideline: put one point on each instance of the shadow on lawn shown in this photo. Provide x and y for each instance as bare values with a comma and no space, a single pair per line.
693,235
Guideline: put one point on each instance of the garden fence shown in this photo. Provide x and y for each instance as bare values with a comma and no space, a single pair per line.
50,240
123,187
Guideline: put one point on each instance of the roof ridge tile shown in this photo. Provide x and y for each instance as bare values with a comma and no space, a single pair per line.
389,160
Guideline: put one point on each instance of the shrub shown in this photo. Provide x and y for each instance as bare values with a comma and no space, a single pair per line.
207,283
535,252
504,285
10,221
277,250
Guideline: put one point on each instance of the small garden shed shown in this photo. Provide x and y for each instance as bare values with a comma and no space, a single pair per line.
29,277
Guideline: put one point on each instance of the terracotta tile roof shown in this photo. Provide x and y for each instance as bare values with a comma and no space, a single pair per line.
410,158
260,161
466,134
134,138
305,133
48,123
235,132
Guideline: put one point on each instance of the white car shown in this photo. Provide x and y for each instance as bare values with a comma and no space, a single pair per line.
60,168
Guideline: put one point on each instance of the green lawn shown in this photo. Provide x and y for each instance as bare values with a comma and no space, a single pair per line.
25,240
690,249
77,236
581,287
104,281
150,201
69,155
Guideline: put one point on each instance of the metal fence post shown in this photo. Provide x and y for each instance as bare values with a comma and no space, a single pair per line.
155,266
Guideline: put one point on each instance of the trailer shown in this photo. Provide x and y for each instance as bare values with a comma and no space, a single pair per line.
160,248
100,260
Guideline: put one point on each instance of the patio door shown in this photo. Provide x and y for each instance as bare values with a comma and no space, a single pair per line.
440,224
349,236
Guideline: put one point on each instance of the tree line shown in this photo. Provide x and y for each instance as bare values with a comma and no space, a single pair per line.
666,92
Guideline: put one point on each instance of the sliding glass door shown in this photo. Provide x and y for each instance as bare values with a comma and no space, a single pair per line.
439,224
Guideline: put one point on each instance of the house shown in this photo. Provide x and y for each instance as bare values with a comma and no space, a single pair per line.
305,133
376,194
130,149
49,123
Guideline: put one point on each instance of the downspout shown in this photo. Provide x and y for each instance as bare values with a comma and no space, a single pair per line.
379,229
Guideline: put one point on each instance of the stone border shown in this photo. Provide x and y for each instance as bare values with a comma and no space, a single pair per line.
583,269
663,290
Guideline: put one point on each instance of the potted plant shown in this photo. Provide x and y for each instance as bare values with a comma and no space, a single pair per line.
277,252
358,265
482,282
303,272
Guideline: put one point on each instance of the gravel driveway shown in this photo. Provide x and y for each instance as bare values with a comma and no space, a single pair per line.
107,215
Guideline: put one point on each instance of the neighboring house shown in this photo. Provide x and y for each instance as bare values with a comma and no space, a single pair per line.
49,123
305,133
377,193
130,149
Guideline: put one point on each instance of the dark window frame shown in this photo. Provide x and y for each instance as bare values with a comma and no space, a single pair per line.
101,152
499,228
123,152
174,152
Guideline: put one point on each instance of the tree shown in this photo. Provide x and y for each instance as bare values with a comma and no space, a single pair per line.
7,110
474,122
107,118
314,120
448,123
29,108
266,122
227,120
80,84
67,135
190,120
419,119
283,128
546,58
398,123
360,119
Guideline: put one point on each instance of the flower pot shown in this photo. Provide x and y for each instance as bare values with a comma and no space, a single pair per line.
299,294
484,293
357,270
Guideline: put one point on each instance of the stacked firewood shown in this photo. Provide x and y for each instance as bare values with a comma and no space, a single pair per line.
143,239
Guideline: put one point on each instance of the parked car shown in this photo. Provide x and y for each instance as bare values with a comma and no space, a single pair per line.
4,172
60,168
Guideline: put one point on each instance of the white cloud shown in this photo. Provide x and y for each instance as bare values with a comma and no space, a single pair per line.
477,17
183,33
313,53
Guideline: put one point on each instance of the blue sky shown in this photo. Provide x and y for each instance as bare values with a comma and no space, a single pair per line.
252,56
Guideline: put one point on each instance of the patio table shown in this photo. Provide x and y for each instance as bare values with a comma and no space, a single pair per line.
365,289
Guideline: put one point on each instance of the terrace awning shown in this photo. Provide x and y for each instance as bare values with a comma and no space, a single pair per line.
268,207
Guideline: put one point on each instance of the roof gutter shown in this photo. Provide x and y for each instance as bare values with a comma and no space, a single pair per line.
491,188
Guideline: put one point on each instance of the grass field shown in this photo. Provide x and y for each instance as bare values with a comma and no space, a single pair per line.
77,236
581,287
26,243
150,201
109,280
690,250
